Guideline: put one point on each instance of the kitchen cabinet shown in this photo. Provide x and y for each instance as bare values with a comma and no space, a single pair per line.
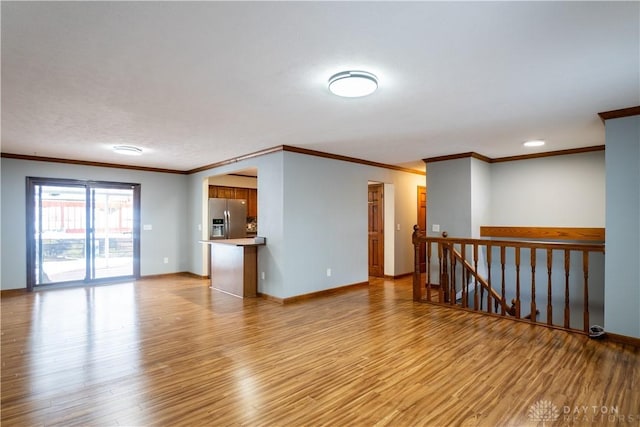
241,193
234,265
252,203
218,192
248,194
226,193
221,192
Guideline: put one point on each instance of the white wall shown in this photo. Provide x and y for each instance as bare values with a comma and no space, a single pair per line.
234,181
389,229
480,196
406,216
622,256
558,191
163,202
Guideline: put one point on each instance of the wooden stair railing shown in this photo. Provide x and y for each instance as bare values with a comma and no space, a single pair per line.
458,269
499,300
492,293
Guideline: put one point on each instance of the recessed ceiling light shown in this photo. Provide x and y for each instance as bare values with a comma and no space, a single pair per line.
127,150
353,84
534,143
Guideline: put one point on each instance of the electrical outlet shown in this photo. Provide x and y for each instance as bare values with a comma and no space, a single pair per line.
398,227
328,272
199,227
262,275
166,260
435,228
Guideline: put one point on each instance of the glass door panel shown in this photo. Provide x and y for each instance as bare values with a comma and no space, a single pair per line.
60,233
112,237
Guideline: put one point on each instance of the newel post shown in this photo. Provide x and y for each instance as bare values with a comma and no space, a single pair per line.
444,272
417,288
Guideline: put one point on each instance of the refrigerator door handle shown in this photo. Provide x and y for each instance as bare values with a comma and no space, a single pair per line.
226,224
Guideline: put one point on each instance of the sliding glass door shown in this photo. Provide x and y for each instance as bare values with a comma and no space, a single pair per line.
112,238
81,231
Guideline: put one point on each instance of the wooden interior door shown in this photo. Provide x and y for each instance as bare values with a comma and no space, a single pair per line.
422,223
376,230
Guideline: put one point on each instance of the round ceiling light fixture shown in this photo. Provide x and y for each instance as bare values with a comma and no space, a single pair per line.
127,150
353,84
534,143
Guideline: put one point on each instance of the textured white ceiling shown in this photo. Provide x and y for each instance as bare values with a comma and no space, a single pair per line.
193,83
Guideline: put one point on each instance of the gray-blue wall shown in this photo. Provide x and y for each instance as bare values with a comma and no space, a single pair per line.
163,206
558,191
622,258
313,213
449,197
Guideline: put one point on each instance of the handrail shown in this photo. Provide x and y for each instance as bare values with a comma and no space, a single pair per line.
584,234
592,247
459,259
496,296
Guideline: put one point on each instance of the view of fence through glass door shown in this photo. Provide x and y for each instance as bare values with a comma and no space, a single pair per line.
82,231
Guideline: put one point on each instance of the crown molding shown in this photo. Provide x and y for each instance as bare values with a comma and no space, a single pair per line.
305,151
617,114
512,158
308,152
88,163
236,159
470,154
233,160
550,154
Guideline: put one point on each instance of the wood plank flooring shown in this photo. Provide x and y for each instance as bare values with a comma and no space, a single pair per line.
172,352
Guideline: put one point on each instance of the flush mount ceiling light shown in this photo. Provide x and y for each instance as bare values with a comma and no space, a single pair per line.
127,150
534,143
353,84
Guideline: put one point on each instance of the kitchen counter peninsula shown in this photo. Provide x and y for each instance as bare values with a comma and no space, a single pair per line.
234,265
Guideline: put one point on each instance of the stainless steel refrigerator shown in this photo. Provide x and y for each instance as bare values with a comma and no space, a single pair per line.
227,219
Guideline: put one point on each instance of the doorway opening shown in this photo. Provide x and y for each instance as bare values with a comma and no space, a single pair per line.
422,223
81,231
239,185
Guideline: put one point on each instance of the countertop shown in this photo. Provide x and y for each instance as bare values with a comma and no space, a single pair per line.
248,241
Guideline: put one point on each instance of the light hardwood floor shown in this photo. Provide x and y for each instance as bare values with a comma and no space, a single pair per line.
172,352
